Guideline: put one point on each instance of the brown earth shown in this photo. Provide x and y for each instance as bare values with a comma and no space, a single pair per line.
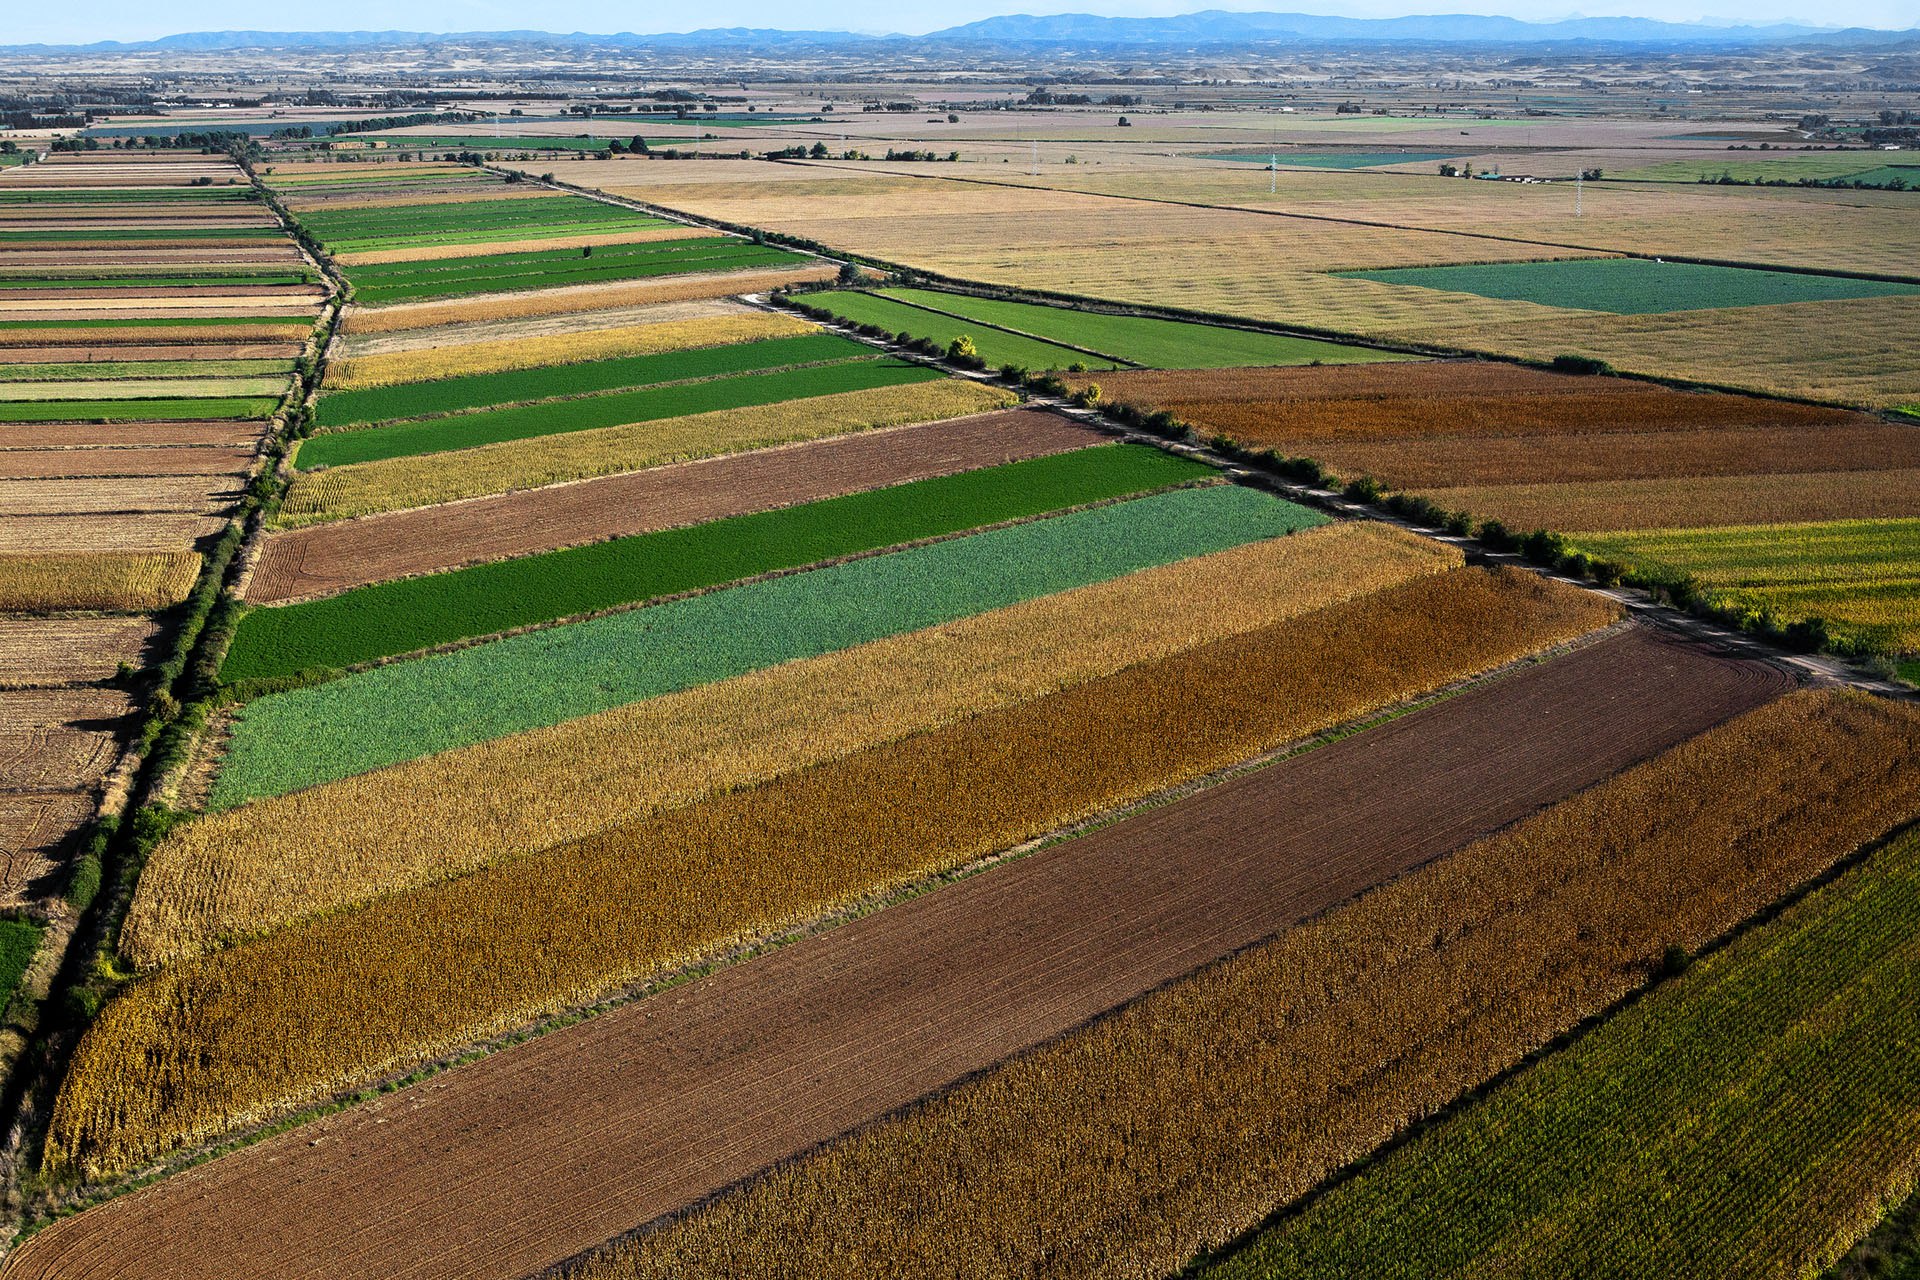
524,1159
50,651
73,435
165,291
333,557
1684,503
21,464
37,831
59,738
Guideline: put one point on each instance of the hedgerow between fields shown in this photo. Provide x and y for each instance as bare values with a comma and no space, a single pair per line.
342,1000
243,871
1168,1129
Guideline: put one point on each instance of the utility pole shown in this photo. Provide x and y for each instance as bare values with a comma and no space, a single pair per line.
1273,173
1577,178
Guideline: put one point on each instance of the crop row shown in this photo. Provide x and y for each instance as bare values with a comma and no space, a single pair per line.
453,394
343,999
391,618
749,385
238,872
906,395
1186,1118
470,358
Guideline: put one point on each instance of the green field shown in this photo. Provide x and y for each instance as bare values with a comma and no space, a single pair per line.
360,230
49,372
405,710
19,940
1634,286
1761,167
185,409
1861,576
392,618
118,389
490,426
1740,1121
996,346
486,275
1159,344
450,395
1331,159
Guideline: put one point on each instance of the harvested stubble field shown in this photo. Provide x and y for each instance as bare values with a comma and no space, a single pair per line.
1789,1057
410,282
399,483
550,302
59,738
112,533
1239,1089
485,391
403,711
507,332
33,581
564,348
36,834
392,618
1779,498
117,495
22,464
47,651
906,1001
114,435
236,873
533,935
323,559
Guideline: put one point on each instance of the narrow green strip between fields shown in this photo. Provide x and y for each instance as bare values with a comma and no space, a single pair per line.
996,346
19,941
619,408
554,276
135,410
84,371
517,386
392,618
406,710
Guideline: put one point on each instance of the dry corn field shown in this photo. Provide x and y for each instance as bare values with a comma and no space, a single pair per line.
247,870
34,581
1129,1147
559,348
551,302
339,1001
400,483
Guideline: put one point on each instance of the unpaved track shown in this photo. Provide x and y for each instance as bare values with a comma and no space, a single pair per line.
334,557
508,1165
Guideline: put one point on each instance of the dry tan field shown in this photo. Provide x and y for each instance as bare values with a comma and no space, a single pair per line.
47,651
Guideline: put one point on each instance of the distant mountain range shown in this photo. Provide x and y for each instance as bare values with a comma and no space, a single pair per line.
1213,27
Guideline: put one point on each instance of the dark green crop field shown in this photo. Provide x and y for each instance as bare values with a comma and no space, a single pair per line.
1635,286
197,409
416,613
483,275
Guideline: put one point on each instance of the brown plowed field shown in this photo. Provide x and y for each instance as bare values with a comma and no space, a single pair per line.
525,1158
333,557
22,464
45,651
59,738
36,834
1686,503
144,292
84,435
90,349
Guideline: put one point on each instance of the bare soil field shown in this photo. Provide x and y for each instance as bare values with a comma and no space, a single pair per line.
526,1158
18,464
36,833
116,495
48,651
59,738
321,559
87,435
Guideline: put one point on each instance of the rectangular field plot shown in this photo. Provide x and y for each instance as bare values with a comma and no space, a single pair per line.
1170,344
1635,286
418,613
463,277
450,395
406,710
618,408
1761,1106
470,221
163,410
996,346
1331,159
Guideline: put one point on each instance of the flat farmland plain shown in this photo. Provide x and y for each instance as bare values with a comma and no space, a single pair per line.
886,1008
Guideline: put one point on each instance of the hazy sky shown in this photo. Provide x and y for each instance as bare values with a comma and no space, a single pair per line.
142,19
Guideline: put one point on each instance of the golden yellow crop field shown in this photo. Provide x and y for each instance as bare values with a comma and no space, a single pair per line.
31,581
336,1002
247,870
395,484
454,361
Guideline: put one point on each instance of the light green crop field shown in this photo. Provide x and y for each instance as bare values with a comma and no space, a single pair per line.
1635,286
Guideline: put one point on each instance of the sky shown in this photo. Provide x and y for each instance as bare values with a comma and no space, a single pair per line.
92,20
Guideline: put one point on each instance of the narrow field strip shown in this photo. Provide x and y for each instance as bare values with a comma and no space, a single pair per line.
394,618
40,464
400,483
480,279
674,1102
450,395
177,408
14,392
40,651
323,559
51,371
744,389
583,298
99,580
1762,1108
1679,502
996,346
1238,1089
446,250
246,870
464,359
679,885
407,710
